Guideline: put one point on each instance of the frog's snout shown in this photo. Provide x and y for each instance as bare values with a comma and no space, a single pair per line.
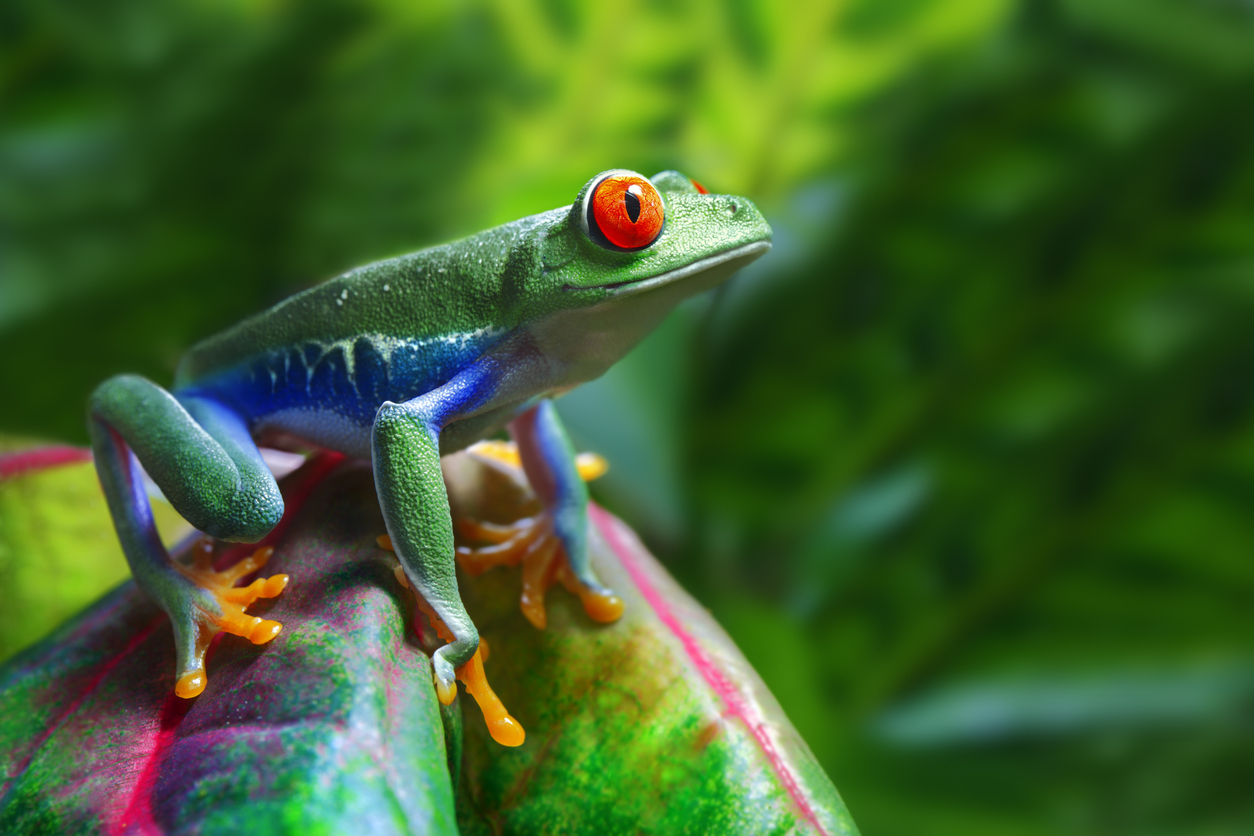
743,216
729,205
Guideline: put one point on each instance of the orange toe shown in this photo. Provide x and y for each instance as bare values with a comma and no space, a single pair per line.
232,600
191,684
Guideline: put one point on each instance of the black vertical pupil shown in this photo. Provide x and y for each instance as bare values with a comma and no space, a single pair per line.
633,206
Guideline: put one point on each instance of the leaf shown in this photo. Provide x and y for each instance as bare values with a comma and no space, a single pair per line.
334,727
653,724
58,551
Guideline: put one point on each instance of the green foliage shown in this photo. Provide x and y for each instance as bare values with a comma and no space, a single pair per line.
58,552
965,465
169,168
999,477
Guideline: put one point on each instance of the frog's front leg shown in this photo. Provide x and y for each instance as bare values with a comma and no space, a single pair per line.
202,457
405,448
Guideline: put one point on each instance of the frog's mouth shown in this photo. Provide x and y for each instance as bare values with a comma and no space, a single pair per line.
720,266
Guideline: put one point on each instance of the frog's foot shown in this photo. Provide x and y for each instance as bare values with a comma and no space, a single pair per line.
533,542
504,729
229,616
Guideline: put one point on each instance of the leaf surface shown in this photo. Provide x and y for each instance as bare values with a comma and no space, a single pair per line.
653,724
333,727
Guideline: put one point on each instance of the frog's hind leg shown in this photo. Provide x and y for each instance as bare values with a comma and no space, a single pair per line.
202,457
530,541
549,460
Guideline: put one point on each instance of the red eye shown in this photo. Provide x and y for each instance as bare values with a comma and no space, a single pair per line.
700,189
627,210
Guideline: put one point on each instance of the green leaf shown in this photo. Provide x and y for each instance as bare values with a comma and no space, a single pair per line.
58,551
332,728
655,723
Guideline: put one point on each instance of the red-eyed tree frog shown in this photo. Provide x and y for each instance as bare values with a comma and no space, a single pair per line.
399,362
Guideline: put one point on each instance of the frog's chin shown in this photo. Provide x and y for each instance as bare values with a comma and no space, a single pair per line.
699,275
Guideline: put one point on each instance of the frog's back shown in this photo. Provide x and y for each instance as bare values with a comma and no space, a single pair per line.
387,331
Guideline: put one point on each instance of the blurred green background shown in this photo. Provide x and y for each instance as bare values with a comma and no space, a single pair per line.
966,465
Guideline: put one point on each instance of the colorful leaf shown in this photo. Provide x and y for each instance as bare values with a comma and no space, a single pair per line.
652,724
332,728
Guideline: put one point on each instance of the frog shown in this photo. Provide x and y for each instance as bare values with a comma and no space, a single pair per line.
398,363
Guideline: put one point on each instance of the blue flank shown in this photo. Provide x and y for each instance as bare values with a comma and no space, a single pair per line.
350,377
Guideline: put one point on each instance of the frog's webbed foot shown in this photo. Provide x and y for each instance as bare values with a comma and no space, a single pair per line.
501,724
211,603
533,542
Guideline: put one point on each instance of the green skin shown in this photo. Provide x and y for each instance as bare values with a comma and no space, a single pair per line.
402,361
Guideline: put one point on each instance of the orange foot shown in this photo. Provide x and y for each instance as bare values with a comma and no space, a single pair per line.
504,729
232,601
532,542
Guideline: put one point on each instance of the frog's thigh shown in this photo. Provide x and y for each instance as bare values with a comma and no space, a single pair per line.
253,505
548,458
405,450
197,451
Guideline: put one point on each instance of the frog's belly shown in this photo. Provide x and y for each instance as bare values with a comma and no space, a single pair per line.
323,427
347,435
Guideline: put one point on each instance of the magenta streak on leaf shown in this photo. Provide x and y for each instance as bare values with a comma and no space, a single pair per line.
88,689
137,817
737,706
41,458
136,814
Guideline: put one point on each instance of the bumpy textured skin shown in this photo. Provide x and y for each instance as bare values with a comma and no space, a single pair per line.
401,361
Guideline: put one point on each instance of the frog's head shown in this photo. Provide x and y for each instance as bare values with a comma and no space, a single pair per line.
624,254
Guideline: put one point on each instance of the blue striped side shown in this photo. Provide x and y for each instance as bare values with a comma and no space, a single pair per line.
349,377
